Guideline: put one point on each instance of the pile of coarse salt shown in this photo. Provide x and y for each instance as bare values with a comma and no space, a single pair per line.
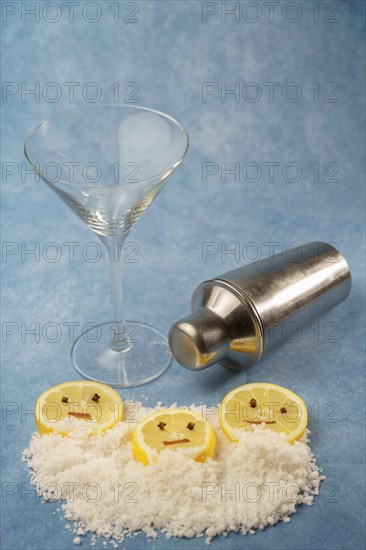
247,486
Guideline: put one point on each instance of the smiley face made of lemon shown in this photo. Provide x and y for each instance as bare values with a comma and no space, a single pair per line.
173,429
273,407
65,407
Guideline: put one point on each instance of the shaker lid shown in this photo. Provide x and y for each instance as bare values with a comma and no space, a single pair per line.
199,340
222,328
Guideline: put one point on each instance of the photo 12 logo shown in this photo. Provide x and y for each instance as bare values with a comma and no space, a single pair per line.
269,91
252,492
269,172
70,172
51,332
90,491
69,251
69,12
237,252
69,92
270,12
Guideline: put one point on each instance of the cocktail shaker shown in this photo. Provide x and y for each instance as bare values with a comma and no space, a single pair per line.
242,315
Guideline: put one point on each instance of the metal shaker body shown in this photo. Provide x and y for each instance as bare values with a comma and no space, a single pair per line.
246,313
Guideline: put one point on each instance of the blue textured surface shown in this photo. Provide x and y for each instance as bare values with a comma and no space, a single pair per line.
168,54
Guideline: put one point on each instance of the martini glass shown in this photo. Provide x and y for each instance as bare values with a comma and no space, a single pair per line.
108,163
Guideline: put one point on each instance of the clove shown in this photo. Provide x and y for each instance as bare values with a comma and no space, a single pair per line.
176,441
84,416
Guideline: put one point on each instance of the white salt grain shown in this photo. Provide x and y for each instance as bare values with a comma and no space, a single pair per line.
247,486
76,540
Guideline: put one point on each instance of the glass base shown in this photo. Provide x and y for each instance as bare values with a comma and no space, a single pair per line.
145,357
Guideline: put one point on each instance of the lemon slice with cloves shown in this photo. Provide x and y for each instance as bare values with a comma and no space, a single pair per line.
84,404
274,407
174,429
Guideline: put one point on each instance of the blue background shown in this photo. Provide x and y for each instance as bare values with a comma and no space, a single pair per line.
168,53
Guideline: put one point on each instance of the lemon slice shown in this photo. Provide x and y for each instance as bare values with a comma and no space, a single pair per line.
173,429
274,407
66,407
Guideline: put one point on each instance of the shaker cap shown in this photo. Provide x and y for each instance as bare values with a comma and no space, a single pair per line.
199,340
221,328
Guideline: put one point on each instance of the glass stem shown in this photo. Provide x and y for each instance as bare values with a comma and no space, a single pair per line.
120,340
